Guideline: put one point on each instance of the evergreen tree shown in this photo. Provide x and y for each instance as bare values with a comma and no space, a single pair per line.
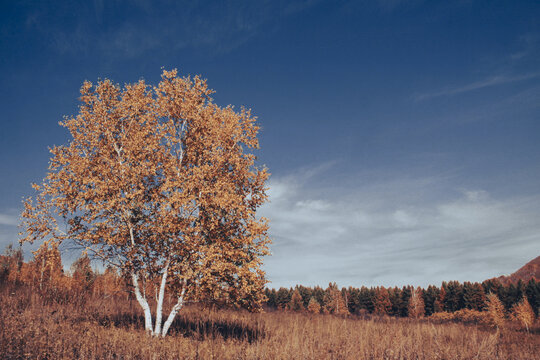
394,294
306,294
492,286
430,297
513,294
366,299
473,296
533,295
406,293
353,300
453,300
283,297
271,297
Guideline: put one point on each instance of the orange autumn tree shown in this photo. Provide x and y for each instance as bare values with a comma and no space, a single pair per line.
159,182
524,313
46,267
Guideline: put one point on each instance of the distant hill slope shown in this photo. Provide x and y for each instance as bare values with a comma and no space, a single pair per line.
525,273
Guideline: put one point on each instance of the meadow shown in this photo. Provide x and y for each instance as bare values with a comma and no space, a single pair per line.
64,326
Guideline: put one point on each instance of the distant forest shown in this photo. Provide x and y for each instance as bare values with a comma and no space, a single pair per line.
450,297
45,273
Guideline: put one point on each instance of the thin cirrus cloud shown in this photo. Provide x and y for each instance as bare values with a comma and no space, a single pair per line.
216,28
378,234
8,228
8,220
488,82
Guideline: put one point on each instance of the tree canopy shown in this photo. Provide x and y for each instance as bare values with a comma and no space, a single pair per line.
159,181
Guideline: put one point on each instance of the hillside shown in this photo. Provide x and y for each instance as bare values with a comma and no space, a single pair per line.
525,273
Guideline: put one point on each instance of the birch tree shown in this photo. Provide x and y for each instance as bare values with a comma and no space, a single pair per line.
160,182
416,308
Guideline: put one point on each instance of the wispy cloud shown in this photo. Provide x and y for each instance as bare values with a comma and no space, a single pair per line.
158,26
8,228
488,82
381,235
9,220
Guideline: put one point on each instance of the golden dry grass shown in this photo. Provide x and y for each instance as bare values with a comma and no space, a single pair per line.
112,329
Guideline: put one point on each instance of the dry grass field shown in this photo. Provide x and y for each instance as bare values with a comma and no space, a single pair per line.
33,327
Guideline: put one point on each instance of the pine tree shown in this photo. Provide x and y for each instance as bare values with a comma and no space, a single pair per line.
353,302
453,299
430,297
306,294
533,295
271,297
283,297
366,299
402,308
473,296
492,286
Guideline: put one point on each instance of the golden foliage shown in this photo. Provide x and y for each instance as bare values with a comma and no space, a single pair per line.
313,306
159,175
466,316
496,311
334,302
296,303
47,266
381,303
524,313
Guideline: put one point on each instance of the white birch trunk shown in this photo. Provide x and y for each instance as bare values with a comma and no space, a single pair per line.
144,304
173,313
160,297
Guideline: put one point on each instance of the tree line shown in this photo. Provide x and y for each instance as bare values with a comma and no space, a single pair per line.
46,275
406,301
452,300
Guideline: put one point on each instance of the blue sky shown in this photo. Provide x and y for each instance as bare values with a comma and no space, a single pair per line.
402,136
